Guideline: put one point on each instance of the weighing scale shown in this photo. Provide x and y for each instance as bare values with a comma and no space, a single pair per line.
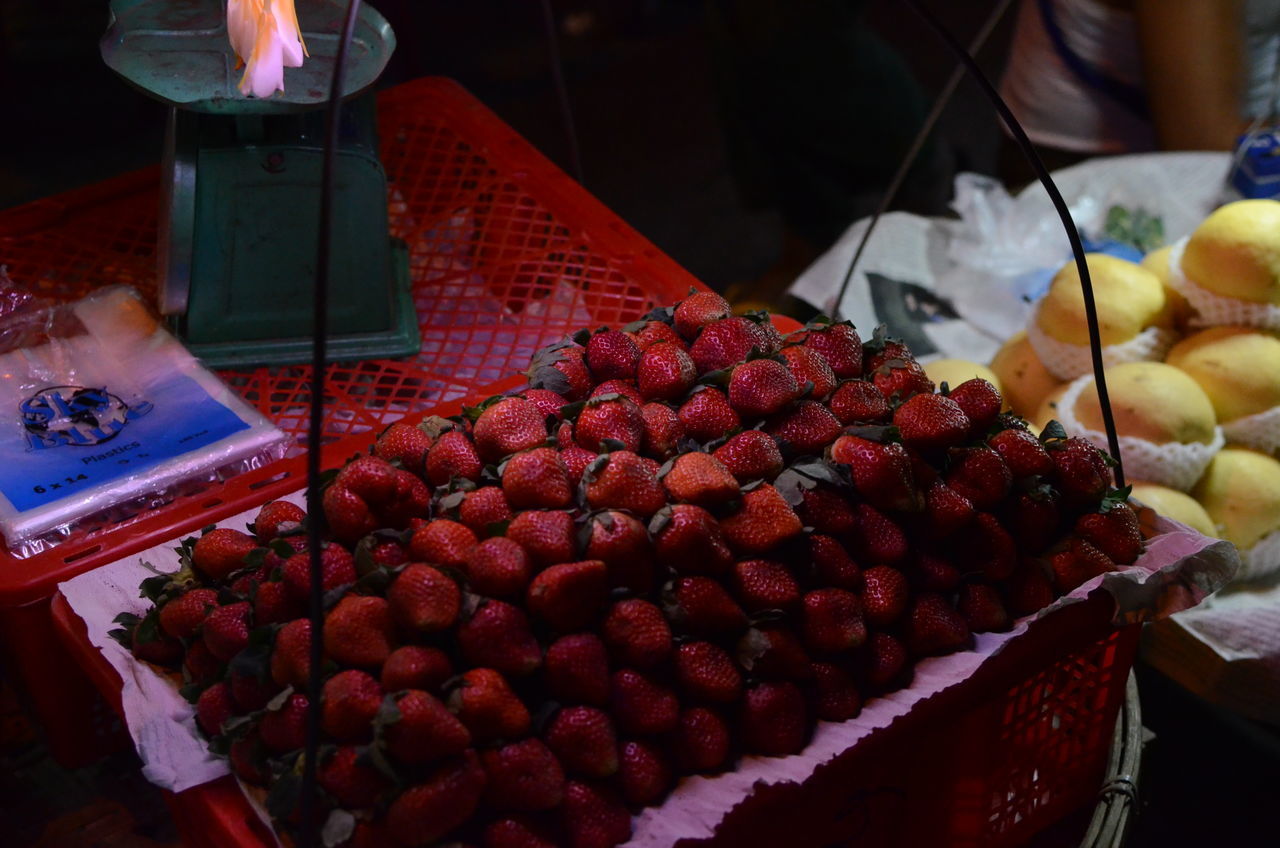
241,188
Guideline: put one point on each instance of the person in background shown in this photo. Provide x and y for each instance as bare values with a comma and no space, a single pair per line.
1100,77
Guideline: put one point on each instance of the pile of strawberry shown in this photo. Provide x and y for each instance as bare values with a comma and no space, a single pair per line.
685,542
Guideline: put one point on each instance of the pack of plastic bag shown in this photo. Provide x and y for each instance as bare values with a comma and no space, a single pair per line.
103,414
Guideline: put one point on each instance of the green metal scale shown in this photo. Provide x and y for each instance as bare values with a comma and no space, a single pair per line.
241,188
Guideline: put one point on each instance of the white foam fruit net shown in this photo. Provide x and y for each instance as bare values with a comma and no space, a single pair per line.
1067,361
1261,560
1215,310
1260,431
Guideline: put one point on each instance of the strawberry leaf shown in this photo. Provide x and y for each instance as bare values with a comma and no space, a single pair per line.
123,636
665,314
719,378
635,326
1115,498
191,692
497,528
452,501
153,587
883,433
660,520
1053,432
277,703
435,426
284,796
610,445
581,337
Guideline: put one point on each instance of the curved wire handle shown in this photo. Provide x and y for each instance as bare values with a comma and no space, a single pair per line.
1073,235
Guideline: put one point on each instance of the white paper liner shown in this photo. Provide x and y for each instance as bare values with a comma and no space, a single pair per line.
1066,361
1261,560
1174,464
1215,310
1260,431
1177,571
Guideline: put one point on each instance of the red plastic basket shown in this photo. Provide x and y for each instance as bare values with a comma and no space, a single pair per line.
507,254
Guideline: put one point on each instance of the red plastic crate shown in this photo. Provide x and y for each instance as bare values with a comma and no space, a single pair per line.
507,255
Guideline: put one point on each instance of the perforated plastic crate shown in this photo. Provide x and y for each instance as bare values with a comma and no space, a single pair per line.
507,255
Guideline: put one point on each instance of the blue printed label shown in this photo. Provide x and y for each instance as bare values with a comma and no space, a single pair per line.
78,437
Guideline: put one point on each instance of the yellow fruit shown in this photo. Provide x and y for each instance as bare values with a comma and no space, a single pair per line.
1238,368
1152,401
1176,505
1048,409
1176,309
1235,252
953,372
1024,381
1129,298
1241,492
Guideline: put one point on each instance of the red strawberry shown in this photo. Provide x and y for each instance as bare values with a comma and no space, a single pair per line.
547,401
575,461
291,655
523,776
561,368
896,373
416,667
517,832
626,388
609,417
446,799
772,652
807,429
751,455
707,415
389,553
762,387
499,568
931,573
198,664
811,369
622,543
1115,532
877,538
666,372
705,672
774,721
453,457
423,600
980,401
641,705
220,552
251,693
699,310
1022,452
275,603
637,633
688,539
509,426
643,773
624,480
931,423
832,621
764,521
1080,472
702,608
884,596
656,332
370,477
584,740
247,759
569,596
337,568
945,509
346,515
576,670
182,616
485,703
536,479
226,630
933,627
701,740
275,518
498,635
405,444
285,729
881,472
412,500
982,608
700,478
357,632
832,564
349,703
762,584
980,475
884,660
443,542
1078,564
1033,518
837,697
1028,590
987,547
726,343
662,430
352,785
826,511
859,402
593,816
547,536
213,708
840,345
612,355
